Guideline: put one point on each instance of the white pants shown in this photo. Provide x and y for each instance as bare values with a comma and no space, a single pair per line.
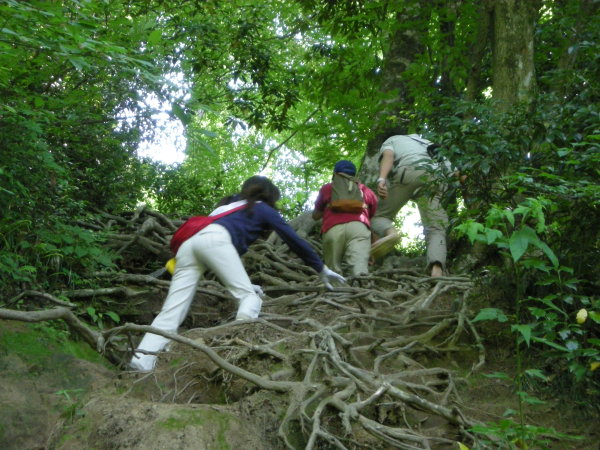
210,249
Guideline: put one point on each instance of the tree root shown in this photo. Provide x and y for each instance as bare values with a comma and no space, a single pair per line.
353,361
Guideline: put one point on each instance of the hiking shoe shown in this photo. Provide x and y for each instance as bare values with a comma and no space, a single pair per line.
383,246
243,317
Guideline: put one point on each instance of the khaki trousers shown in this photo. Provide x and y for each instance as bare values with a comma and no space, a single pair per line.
349,242
407,184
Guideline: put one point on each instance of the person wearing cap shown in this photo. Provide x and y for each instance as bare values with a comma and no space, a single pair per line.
346,235
403,175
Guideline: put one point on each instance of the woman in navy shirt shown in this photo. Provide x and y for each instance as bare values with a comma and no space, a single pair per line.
218,248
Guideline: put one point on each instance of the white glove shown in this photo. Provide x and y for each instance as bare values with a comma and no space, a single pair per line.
258,290
327,276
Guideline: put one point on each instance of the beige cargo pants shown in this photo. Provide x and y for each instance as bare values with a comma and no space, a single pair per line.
407,184
349,242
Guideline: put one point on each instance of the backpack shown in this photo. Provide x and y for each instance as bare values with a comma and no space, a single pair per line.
346,195
431,147
194,224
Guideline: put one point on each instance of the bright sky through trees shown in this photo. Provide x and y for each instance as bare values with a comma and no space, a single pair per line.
168,145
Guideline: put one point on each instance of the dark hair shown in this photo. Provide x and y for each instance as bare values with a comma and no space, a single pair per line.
226,200
433,150
259,188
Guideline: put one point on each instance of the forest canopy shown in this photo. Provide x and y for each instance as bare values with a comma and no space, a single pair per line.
509,88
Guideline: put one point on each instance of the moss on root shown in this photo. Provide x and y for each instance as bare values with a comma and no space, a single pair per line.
185,418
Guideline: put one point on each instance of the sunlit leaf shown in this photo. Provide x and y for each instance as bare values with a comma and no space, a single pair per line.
491,314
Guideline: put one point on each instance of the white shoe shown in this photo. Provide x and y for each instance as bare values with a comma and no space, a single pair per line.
138,368
243,317
137,364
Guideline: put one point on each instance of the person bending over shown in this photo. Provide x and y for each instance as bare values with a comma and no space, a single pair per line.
403,177
218,248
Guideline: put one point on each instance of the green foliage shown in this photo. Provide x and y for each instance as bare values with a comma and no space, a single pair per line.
513,435
99,318
74,405
67,76
547,320
509,229
286,89
56,253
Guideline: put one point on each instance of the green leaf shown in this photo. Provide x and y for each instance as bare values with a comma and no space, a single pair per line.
491,314
548,302
78,62
80,252
549,343
509,412
509,216
499,375
155,37
472,229
525,331
491,235
518,243
530,399
181,114
522,209
92,313
536,373
114,316
535,263
595,316
547,251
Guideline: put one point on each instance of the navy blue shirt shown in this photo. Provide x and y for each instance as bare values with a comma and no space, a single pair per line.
245,229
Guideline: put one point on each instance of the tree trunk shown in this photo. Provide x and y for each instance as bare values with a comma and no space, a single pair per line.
448,16
582,11
404,46
513,69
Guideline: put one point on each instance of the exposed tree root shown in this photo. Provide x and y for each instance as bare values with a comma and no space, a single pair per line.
354,364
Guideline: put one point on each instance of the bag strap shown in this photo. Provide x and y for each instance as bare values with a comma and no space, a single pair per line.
425,142
430,147
229,211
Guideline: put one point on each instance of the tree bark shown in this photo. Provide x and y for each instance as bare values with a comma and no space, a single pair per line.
513,68
404,46
447,26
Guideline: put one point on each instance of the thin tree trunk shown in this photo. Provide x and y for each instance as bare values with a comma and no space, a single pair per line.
479,47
